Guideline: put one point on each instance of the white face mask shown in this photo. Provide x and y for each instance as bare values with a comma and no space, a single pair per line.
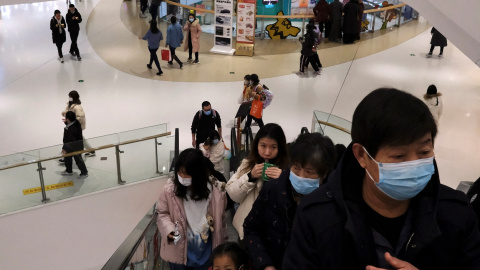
246,82
70,99
184,181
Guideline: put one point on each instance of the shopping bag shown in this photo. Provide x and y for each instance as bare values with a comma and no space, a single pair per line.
256,110
166,55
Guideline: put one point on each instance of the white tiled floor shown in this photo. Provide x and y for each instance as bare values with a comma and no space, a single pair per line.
34,88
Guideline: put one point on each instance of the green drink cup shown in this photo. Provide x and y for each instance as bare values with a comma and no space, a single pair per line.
265,166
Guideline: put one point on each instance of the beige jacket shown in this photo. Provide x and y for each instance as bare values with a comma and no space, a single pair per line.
170,209
216,154
78,110
243,192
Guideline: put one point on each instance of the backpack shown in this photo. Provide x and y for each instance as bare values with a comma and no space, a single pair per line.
200,114
269,96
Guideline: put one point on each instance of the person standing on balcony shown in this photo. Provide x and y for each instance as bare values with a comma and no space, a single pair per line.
174,39
193,29
74,18
322,14
204,122
57,25
336,18
73,142
352,21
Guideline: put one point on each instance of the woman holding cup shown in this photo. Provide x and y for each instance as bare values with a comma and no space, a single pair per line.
268,156
57,25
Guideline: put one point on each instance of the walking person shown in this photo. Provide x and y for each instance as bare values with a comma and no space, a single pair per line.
153,36
75,105
437,40
174,39
57,25
336,18
318,39
204,122
154,9
74,18
191,214
433,99
193,38
256,93
308,51
143,8
73,142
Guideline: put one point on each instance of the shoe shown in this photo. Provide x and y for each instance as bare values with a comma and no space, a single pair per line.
181,65
61,59
440,55
79,58
189,60
429,55
83,175
90,154
149,66
160,73
170,63
142,15
61,161
196,62
300,73
318,72
66,173
73,53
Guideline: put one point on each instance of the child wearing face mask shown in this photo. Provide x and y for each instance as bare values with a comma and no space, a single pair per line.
191,204
230,256
268,225
214,149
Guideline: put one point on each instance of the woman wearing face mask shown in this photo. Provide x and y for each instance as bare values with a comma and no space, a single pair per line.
193,38
214,149
186,205
267,228
75,105
269,146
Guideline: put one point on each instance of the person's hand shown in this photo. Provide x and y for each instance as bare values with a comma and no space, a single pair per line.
273,172
395,263
194,144
257,171
56,25
64,120
270,268
139,37
170,237
64,152
166,45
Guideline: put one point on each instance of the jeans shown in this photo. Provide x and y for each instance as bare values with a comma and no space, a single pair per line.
59,49
154,57
78,161
174,56
74,47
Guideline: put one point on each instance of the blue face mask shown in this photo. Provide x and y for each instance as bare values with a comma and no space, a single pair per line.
207,112
191,20
403,180
215,141
303,185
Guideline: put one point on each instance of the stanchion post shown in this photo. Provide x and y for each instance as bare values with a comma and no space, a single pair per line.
42,183
119,171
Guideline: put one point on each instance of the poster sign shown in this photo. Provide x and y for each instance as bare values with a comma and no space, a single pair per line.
223,27
302,7
245,27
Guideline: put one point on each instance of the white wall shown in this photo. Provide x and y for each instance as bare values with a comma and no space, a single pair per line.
80,233
458,21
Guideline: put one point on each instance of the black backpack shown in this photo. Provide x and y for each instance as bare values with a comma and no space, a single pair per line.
474,195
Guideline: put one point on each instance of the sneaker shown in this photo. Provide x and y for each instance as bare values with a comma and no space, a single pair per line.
149,66
440,55
196,62
142,15
66,173
160,73
90,154
79,58
73,53
300,73
170,63
429,55
318,72
181,65
83,175
61,161
189,60
61,59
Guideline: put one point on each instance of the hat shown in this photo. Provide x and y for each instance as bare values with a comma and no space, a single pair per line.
192,11
432,90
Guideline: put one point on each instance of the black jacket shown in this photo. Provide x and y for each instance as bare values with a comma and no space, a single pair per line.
437,38
73,25
327,235
308,44
54,26
268,226
202,124
352,17
73,138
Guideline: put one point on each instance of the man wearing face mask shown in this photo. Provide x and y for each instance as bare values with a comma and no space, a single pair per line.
267,227
384,207
204,122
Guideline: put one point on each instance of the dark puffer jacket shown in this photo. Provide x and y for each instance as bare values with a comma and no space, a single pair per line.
73,138
267,228
437,38
73,25
57,37
308,44
328,235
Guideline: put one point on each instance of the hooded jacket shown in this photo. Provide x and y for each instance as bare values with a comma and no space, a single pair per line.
73,25
308,44
328,232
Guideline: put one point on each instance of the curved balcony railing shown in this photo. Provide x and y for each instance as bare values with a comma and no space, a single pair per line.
337,128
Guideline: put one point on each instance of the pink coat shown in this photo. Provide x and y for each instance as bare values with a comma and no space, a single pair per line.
170,209
196,30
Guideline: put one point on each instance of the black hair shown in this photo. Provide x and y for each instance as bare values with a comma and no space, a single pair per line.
213,135
339,150
255,79
309,27
205,104
173,19
208,142
193,163
247,77
75,96
71,116
153,27
275,132
57,12
313,149
232,249
311,21
388,116
192,14
71,5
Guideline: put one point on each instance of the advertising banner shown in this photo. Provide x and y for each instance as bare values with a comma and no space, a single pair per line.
302,7
245,27
223,27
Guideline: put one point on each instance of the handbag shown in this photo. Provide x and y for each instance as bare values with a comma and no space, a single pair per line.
256,110
166,56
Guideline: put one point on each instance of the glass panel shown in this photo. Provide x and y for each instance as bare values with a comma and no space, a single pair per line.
142,133
17,158
337,135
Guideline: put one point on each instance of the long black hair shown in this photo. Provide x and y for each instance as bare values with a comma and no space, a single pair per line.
192,162
75,96
275,132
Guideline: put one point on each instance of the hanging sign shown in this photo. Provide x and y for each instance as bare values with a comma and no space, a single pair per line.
223,27
245,27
